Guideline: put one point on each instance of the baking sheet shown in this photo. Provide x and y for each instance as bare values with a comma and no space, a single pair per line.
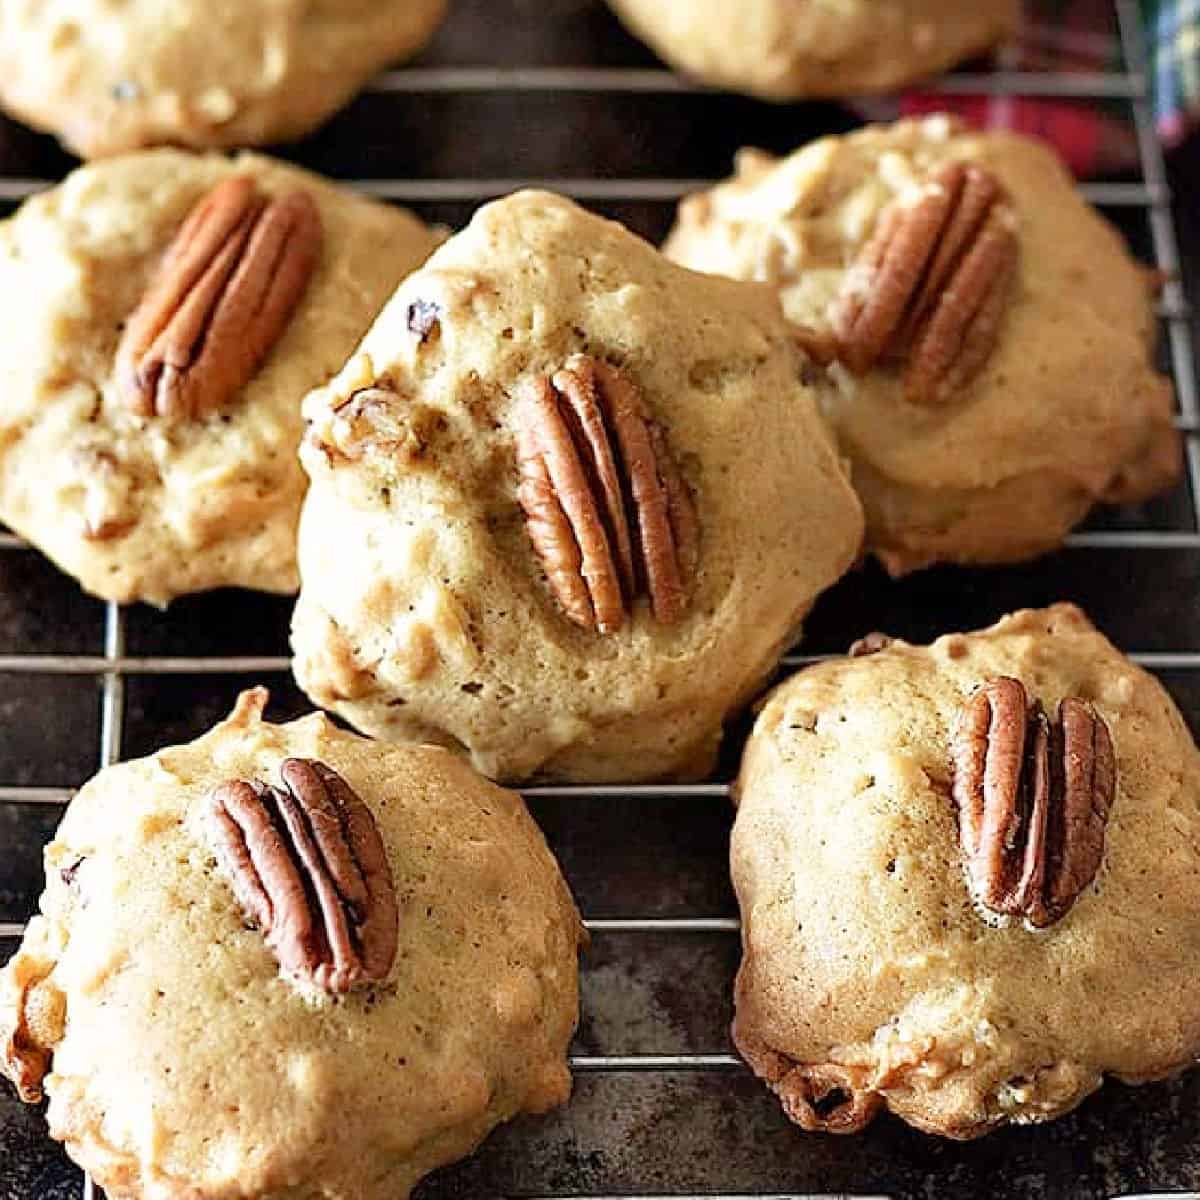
478,112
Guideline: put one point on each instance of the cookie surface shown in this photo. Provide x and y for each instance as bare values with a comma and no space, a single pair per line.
1065,409
110,78
449,580
183,1061
871,975
142,508
785,49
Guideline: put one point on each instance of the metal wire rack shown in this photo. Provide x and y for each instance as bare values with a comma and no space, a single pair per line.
114,668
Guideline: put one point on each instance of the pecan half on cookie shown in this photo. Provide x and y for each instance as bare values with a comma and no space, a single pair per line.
309,867
223,297
931,285
1033,800
606,506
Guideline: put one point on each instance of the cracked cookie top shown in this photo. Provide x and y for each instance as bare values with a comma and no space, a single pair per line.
283,954
173,312
968,876
569,503
980,336
110,78
785,49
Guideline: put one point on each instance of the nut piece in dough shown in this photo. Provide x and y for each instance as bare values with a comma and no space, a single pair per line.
146,997
147,460
109,78
880,966
987,365
569,505
785,50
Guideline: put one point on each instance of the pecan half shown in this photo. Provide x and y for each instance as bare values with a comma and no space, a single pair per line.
223,297
931,284
1033,800
310,870
607,509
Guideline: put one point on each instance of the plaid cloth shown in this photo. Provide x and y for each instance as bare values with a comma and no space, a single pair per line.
1096,138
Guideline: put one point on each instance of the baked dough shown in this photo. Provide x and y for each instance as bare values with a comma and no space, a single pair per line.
1067,411
109,77
868,966
787,49
140,508
180,1062
425,612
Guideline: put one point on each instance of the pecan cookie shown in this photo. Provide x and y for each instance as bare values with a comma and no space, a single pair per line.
969,877
284,960
979,336
174,311
786,49
109,78
569,503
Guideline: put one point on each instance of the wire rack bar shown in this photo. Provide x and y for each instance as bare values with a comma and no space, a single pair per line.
112,703
35,795
1159,660
84,664
1162,232
112,722
592,1064
1114,539
475,191
1095,85
1151,193
598,925
664,925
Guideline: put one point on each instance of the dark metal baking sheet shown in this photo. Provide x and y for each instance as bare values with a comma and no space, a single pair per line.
660,855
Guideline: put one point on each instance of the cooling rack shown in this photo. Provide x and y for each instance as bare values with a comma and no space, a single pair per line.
662,1106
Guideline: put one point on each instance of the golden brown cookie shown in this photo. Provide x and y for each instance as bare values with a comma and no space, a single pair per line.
786,49
108,78
168,314
282,960
986,334
569,504
969,877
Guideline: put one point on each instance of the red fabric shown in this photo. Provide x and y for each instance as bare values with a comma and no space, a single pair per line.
1092,142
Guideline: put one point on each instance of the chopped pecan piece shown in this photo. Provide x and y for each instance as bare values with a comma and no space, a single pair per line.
606,506
1033,800
41,1013
310,870
828,1098
423,318
931,284
873,643
223,297
819,345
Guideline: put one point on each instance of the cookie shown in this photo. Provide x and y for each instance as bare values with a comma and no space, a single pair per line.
985,335
782,50
969,878
206,74
568,505
284,960
168,314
